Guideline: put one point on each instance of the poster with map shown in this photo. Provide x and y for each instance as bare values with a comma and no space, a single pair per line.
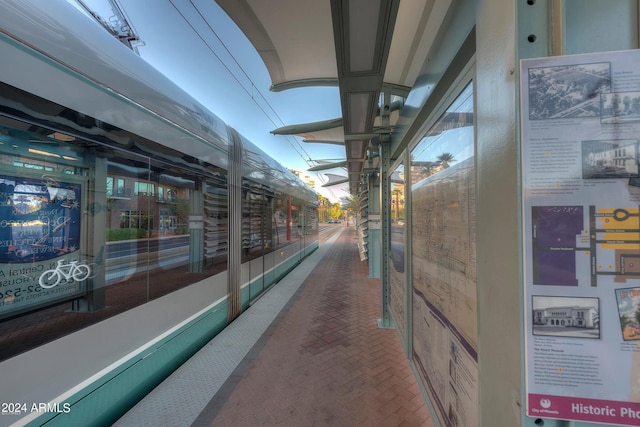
581,236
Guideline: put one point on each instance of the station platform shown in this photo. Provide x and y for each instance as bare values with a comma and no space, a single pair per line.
307,353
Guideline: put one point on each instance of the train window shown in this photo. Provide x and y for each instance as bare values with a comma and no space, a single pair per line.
43,188
286,216
116,221
216,224
257,230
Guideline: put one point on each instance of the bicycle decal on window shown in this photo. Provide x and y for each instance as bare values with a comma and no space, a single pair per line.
71,271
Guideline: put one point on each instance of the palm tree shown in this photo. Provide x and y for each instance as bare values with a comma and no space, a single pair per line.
445,159
324,206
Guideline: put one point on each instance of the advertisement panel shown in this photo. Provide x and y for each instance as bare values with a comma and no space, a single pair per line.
39,242
581,236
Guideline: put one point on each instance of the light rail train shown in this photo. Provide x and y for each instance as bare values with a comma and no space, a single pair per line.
156,224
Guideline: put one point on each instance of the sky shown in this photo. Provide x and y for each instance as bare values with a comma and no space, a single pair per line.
215,63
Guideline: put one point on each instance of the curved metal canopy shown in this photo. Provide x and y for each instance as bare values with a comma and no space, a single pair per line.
364,46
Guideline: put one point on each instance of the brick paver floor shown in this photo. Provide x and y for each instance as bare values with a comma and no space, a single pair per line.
327,363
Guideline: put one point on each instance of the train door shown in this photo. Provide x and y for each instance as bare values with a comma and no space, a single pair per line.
270,235
257,235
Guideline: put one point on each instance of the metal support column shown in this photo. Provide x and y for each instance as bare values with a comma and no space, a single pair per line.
374,226
385,210
385,203
408,259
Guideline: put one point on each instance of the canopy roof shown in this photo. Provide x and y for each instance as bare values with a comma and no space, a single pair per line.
365,47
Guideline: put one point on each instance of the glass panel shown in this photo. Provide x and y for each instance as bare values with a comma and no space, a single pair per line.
216,225
397,280
282,220
129,221
169,236
311,225
445,336
254,234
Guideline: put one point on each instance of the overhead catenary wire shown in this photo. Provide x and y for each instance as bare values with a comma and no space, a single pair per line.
306,158
296,144
298,149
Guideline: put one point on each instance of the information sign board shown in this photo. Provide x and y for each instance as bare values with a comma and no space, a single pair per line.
581,236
